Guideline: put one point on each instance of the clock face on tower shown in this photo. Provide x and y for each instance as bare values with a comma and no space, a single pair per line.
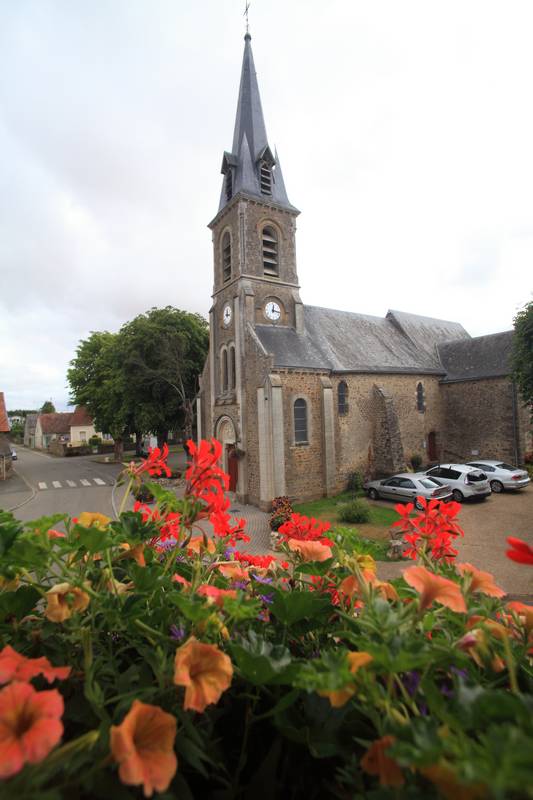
272,310
226,315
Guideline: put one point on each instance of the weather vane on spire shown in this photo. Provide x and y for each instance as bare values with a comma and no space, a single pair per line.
246,7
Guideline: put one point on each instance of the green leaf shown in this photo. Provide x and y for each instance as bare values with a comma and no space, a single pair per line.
314,567
258,660
18,604
10,528
290,607
93,539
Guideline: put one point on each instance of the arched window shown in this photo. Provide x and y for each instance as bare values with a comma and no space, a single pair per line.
300,421
342,398
265,177
226,257
420,398
270,251
224,370
232,373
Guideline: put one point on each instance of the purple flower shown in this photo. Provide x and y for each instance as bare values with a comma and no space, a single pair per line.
239,584
260,579
177,632
228,553
267,598
411,681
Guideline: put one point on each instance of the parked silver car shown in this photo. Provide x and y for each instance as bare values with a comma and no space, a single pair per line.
407,487
466,481
501,475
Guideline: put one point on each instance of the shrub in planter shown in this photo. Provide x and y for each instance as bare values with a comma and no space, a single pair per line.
281,512
355,511
139,656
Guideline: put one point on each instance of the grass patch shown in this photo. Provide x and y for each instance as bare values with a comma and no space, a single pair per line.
328,508
352,542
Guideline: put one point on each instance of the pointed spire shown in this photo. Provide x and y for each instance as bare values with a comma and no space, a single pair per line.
250,149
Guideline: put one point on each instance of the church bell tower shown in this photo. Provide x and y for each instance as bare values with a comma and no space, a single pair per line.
255,277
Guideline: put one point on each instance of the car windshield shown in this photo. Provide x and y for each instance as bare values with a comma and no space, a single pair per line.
508,467
428,483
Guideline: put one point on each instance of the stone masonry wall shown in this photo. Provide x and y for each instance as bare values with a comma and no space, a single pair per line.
479,420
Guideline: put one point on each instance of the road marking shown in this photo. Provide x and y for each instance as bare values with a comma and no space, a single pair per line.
56,484
42,485
99,481
84,482
71,483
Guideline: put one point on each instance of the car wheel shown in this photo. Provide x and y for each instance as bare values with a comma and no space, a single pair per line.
418,505
496,486
373,494
457,496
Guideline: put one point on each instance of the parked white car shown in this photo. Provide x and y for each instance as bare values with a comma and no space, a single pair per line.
501,475
466,481
407,487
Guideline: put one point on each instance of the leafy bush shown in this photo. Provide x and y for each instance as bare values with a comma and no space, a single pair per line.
139,655
355,482
281,512
416,461
354,511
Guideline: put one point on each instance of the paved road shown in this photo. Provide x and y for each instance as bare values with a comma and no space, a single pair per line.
46,485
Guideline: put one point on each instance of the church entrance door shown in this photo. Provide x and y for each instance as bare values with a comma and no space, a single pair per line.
233,467
432,446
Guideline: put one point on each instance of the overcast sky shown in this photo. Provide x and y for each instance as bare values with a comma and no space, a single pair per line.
405,131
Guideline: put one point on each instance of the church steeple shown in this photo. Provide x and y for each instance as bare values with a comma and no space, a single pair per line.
251,167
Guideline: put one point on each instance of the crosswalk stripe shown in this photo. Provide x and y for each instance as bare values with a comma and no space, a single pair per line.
42,485
84,482
56,484
99,481
71,483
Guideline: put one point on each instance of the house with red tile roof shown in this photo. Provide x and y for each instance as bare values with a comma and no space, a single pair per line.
6,462
52,427
81,427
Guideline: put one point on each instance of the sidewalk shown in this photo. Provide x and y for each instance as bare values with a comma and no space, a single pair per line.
14,492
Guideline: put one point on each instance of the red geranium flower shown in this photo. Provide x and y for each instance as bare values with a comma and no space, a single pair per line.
155,464
520,551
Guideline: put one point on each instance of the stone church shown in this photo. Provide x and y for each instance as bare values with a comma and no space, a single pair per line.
301,396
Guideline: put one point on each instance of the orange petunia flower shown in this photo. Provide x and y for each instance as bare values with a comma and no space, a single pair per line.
204,670
432,588
63,600
180,579
376,762
16,667
30,725
482,582
477,645
199,545
214,594
93,519
338,697
137,553
53,534
496,629
310,550
525,613
449,786
143,746
233,571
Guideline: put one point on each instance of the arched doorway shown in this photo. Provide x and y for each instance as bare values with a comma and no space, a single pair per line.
225,433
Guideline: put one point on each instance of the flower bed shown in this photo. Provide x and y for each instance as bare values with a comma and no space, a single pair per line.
144,656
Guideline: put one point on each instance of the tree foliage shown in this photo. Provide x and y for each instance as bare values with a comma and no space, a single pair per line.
143,378
48,407
522,356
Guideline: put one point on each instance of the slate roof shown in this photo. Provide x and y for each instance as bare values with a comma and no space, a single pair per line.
342,341
56,423
250,142
4,419
479,357
81,417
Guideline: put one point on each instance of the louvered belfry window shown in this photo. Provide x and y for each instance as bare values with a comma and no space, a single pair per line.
265,177
232,368
224,370
342,397
229,184
270,251
420,398
300,421
226,257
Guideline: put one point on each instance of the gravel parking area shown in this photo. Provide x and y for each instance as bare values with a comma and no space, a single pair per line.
487,524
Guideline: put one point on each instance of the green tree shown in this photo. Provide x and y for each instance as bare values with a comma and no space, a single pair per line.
522,355
97,380
48,407
164,352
